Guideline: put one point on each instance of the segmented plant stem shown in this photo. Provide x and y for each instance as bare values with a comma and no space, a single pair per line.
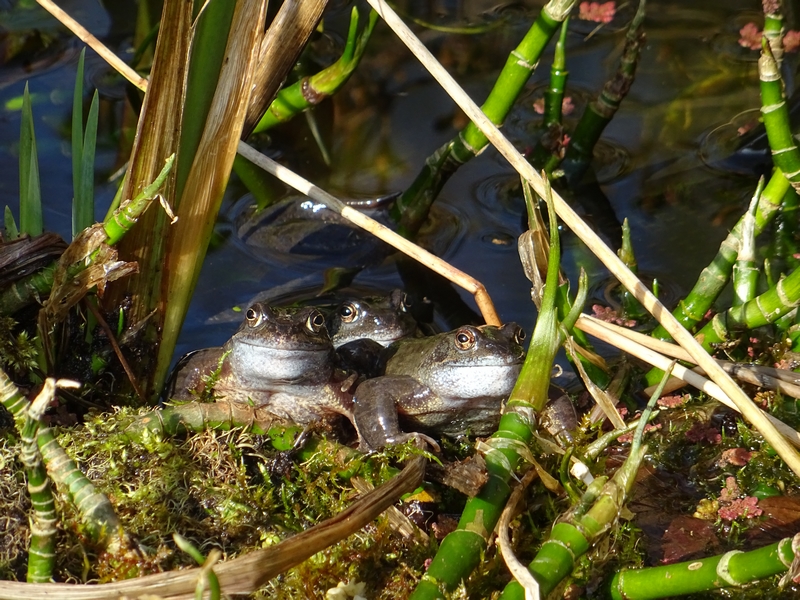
735,568
764,309
600,112
715,276
572,536
775,114
310,91
554,96
41,552
412,207
38,285
461,550
745,272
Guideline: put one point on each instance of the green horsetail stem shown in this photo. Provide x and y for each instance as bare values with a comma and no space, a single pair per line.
312,90
760,311
554,96
412,208
41,551
572,536
745,271
39,284
713,278
595,513
100,521
732,569
773,29
599,113
461,551
775,114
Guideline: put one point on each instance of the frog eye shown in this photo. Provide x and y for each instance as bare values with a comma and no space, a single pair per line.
315,322
465,339
406,303
519,335
348,312
254,316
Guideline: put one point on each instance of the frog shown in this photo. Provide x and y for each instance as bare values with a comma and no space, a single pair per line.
361,328
281,359
383,319
449,383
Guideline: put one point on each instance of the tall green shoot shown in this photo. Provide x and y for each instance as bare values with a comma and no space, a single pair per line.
30,194
83,151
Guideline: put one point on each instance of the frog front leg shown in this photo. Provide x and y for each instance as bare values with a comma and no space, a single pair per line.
375,410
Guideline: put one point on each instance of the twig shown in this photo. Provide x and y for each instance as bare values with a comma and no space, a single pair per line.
117,350
472,285
607,256
520,572
83,34
662,362
787,382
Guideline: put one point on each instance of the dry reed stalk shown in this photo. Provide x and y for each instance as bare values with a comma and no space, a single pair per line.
83,34
607,256
632,347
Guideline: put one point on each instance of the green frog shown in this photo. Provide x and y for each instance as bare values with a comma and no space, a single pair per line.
281,359
448,383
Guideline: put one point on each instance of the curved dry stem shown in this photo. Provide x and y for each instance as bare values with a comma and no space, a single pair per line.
436,264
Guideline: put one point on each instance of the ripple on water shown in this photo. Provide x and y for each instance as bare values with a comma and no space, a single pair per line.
299,232
731,147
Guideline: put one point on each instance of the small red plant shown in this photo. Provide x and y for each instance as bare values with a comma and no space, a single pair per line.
599,12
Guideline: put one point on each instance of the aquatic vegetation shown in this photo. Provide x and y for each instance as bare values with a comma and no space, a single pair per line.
235,481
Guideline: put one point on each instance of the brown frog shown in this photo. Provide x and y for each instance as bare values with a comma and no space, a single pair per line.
449,383
280,359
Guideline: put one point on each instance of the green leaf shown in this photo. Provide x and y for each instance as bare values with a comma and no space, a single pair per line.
30,196
77,133
83,151
83,202
12,232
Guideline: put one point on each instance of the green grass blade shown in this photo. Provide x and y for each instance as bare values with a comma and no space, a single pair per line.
83,202
77,134
30,195
12,232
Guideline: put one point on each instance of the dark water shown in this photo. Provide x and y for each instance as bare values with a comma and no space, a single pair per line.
694,86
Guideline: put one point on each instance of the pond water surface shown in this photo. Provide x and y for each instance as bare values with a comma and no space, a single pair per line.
660,167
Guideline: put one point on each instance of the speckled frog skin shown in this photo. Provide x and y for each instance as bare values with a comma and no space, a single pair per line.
450,383
280,359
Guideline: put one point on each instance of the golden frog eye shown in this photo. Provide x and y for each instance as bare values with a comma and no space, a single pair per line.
465,339
315,322
348,312
519,335
254,316
406,304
